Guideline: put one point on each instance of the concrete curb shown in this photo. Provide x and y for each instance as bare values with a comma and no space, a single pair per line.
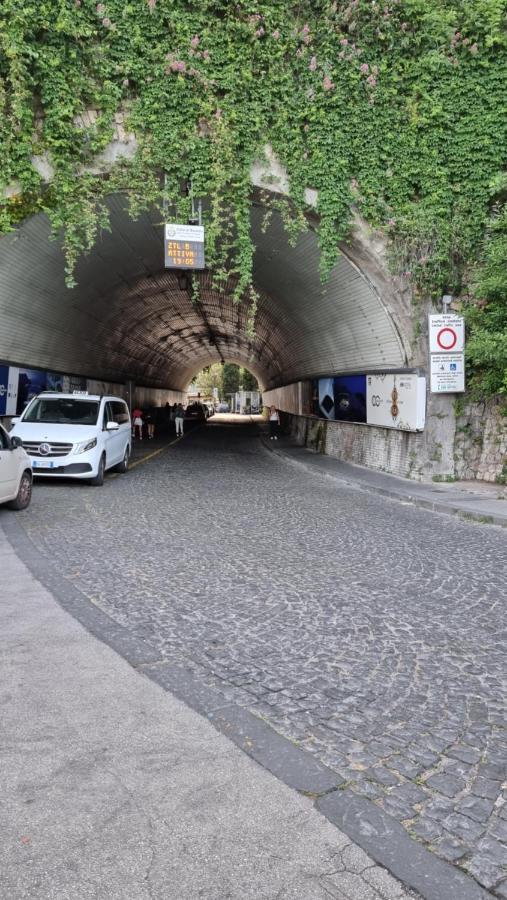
373,829
439,506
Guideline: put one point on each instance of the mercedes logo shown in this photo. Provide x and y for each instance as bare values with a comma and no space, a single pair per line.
44,449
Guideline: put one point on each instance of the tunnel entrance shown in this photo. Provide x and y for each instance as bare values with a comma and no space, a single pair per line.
129,319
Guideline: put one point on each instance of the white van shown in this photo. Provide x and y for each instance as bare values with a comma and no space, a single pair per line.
75,435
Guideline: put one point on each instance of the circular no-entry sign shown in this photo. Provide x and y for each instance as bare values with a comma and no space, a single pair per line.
447,338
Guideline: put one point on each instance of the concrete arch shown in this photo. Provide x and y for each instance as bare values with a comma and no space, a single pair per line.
128,319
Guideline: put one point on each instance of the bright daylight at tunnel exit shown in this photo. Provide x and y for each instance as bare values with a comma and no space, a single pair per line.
253,449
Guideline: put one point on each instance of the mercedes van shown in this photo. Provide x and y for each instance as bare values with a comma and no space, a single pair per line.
76,435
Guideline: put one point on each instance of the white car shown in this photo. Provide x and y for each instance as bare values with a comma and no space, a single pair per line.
15,472
75,435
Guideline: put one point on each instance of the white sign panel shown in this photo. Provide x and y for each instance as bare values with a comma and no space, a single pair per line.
396,401
447,334
176,232
447,373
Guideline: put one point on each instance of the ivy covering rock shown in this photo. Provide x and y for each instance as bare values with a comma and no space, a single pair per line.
395,109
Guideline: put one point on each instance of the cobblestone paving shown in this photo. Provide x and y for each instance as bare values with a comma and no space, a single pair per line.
366,630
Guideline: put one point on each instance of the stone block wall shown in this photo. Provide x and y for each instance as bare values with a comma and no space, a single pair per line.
480,446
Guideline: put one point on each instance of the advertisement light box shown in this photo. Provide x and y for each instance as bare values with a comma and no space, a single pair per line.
396,401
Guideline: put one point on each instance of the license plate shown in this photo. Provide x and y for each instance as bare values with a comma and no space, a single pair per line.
42,464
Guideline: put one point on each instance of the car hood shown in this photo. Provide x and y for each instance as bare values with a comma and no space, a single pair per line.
65,434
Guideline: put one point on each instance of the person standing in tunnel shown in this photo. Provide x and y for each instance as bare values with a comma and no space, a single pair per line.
178,419
137,423
274,423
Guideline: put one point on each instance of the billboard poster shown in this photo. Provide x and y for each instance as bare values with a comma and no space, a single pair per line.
32,381
349,398
340,398
396,401
8,390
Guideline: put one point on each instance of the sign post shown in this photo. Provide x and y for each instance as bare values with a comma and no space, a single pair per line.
184,246
447,357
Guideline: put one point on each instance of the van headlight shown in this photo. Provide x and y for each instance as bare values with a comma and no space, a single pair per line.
85,445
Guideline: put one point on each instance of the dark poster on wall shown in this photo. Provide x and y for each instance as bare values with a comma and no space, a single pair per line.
32,381
340,398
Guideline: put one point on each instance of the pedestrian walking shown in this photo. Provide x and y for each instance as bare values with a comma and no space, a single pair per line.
137,423
274,423
178,419
150,424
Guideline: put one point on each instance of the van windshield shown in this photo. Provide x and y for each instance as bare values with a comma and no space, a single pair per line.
63,411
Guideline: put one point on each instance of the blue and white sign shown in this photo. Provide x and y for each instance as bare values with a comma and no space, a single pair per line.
447,373
8,390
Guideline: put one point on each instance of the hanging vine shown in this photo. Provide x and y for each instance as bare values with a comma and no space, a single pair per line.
396,109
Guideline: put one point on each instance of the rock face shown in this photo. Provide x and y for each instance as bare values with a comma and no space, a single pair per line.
481,443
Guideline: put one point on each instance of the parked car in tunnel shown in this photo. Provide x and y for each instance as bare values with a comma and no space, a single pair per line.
75,435
195,414
15,472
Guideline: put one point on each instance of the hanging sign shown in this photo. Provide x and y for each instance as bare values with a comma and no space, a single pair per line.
447,334
447,373
184,246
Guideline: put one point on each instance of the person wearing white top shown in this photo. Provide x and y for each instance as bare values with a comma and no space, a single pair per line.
274,422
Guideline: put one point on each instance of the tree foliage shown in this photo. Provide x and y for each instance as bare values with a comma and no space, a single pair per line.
396,108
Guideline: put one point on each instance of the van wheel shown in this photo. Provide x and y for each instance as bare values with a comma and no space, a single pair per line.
24,495
98,481
123,466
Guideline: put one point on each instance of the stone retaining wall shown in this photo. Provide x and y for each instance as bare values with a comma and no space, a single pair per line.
480,446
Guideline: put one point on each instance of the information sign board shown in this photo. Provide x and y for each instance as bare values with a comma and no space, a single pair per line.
447,333
396,401
447,373
184,246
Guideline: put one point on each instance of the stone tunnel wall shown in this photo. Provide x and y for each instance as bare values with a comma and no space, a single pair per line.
396,452
471,446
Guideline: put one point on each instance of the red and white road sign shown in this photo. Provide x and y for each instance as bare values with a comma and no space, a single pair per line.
447,334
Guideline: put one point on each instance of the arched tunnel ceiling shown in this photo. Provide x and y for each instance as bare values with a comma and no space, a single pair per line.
128,318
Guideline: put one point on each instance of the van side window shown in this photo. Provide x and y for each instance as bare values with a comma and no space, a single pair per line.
120,411
108,416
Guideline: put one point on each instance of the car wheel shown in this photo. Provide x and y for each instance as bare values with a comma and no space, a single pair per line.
24,495
123,466
98,481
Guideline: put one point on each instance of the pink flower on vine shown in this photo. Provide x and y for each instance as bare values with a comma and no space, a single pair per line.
152,4
106,23
404,26
276,34
344,42
327,84
77,3
206,55
100,9
259,33
474,49
364,69
313,64
194,43
372,81
391,223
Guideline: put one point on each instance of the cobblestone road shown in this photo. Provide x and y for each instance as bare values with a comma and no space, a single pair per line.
366,630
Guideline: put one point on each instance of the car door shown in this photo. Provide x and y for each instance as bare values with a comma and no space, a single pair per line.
122,436
9,469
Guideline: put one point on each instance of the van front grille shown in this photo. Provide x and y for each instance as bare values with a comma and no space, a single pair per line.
55,448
